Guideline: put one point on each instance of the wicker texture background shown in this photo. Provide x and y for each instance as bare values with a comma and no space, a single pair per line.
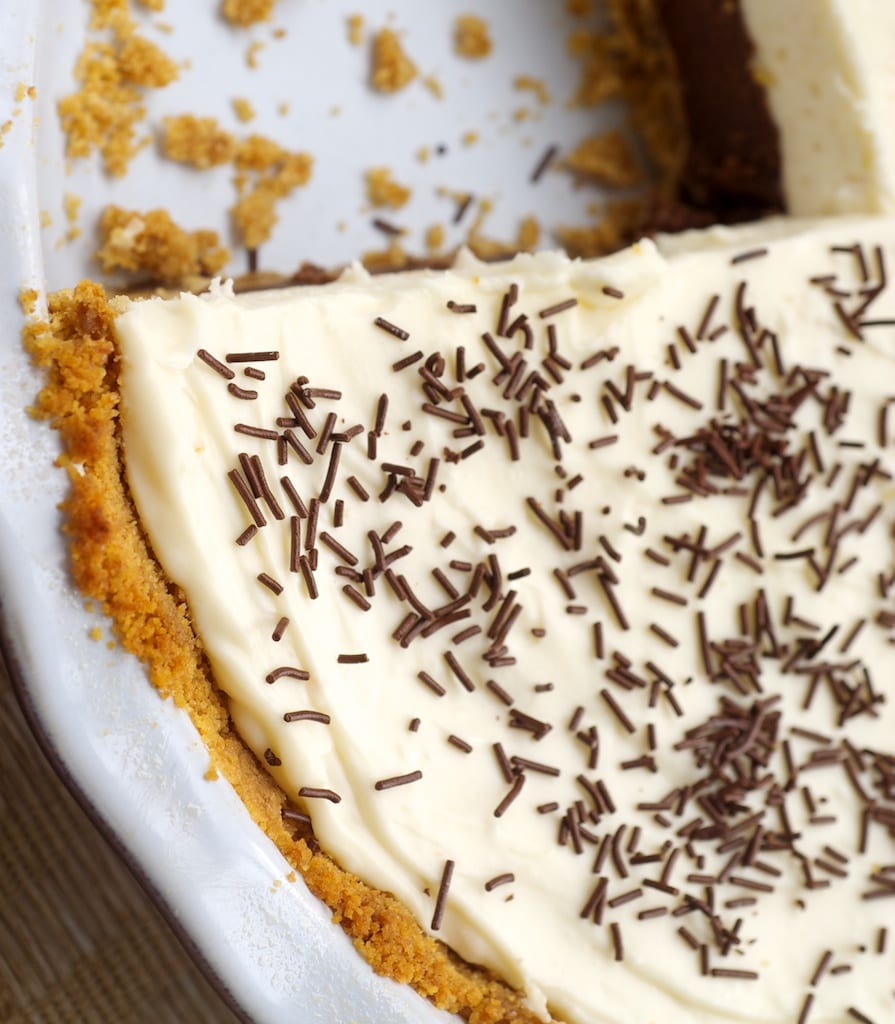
80,941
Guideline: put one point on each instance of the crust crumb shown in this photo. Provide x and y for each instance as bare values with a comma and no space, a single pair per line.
394,257
472,37
529,234
528,83
355,24
252,51
435,235
152,243
266,173
197,141
107,107
383,190
71,204
243,13
28,301
433,84
608,158
392,70
243,109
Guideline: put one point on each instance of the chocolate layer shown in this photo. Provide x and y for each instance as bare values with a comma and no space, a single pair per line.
734,151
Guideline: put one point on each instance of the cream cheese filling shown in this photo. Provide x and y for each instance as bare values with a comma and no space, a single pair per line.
544,632
828,68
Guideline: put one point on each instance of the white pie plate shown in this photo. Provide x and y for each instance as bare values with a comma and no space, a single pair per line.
135,761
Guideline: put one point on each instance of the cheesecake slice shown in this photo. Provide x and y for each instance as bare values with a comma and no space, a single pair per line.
554,596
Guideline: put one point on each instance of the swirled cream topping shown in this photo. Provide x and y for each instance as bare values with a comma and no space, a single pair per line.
559,595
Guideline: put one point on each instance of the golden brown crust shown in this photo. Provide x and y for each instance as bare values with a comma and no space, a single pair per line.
111,563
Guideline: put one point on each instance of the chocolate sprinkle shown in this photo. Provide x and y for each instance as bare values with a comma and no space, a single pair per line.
440,900
399,780
390,328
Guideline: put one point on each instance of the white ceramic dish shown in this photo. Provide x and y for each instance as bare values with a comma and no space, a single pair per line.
134,760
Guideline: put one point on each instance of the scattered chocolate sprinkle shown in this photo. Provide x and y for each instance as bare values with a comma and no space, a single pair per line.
399,780
460,744
215,364
269,582
618,947
402,364
558,307
544,163
616,709
308,575
498,880
514,791
458,671
244,491
307,716
353,659
251,357
751,254
357,597
287,671
858,1016
440,900
391,328
314,793
246,535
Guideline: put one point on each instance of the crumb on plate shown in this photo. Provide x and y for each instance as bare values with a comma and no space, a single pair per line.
355,24
472,37
197,141
608,158
152,243
266,173
383,190
391,68
433,84
435,236
103,113
243,13
529,83
243,109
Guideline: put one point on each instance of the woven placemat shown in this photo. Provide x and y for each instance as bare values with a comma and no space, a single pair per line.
80,941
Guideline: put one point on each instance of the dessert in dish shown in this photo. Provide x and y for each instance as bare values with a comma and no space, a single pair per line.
555,594
786,104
